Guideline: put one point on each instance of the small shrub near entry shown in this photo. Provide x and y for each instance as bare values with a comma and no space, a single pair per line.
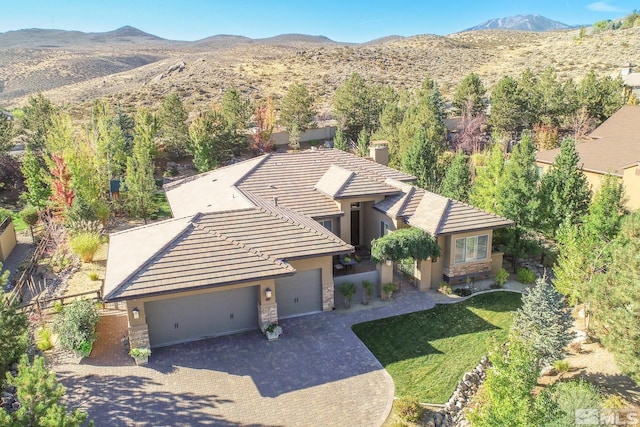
93,276
347,289
388,289
85,245
526,276
463,292
76,326
367,287
445,288
409,409
501,278
43,339
140,352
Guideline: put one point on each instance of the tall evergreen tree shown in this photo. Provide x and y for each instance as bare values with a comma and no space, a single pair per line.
468,98
296,111
6,134
357,105
421,161
544,321
457,179
36,178
531,100
564,191
507,107
517,195
236,112
211,140
13,329
339,140
602,222
139,181
486,187
36,122
174,132
363,143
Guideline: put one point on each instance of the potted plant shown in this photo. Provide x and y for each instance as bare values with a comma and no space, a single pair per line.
140,355
272,331
388,289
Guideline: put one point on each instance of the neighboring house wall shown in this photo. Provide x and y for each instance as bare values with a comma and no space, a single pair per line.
319,134
630,179
7,239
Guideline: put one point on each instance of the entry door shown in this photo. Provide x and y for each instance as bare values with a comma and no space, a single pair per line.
355,228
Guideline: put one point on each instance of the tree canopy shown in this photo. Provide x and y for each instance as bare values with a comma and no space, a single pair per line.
403,244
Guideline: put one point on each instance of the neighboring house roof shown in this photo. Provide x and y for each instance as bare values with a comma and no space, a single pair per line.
610,148
212,249
438,215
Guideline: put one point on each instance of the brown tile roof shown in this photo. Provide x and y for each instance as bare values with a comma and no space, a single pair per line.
212,249
293,179
611,147
438,215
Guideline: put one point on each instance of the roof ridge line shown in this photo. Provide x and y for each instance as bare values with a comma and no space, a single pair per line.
409,194
250,171
443,215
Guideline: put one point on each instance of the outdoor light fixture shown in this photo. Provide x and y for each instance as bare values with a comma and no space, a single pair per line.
388,262
267,293
136,313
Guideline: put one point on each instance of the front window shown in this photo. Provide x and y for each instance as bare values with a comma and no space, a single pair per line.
327,223
473,248
384,228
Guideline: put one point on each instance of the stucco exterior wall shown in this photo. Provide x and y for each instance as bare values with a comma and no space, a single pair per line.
631,179
7,240
480,267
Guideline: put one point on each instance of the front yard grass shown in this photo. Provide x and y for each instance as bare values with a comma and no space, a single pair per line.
426,353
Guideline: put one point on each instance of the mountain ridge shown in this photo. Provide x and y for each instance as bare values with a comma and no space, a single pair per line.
532,22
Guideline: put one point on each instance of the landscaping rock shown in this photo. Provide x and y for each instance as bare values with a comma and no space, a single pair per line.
548,371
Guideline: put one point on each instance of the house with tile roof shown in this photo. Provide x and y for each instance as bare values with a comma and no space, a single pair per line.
612,148
258,241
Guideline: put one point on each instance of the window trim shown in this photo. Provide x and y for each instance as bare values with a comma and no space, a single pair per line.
384,228
327,220
464,249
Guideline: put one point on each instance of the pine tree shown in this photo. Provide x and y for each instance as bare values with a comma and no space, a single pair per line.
602,222
13,329
36,122
339,141
484,193
211,140
544,321
506,105
6,134
468,98
174,133
40,398
564,191
421,161
139,181
363,143
357,105
457,179
615,304
517,195
236,112
296,110
36,178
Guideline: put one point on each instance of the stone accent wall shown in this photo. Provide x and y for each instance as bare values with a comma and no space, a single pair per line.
267,313
327,296
139,336
466,269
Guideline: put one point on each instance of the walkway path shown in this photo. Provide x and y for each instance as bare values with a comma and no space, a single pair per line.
317,374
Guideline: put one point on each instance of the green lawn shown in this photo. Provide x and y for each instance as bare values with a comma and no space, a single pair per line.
164,211
427,352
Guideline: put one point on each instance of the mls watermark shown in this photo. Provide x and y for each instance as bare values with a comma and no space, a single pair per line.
607,417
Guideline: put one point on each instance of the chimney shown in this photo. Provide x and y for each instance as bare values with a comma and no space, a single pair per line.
379,152
275,200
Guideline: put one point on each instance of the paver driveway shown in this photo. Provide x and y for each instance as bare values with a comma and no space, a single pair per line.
317,374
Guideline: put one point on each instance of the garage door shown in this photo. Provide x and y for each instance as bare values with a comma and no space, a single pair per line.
299,294
201,316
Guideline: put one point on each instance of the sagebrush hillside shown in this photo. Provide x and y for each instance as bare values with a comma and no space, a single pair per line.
134,68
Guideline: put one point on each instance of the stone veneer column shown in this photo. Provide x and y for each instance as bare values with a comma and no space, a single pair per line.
139,336
327,296
267,313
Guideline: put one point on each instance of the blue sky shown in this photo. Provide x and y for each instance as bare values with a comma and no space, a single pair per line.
341,20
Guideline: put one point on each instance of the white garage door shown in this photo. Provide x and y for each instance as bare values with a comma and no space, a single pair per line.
299,294
201,316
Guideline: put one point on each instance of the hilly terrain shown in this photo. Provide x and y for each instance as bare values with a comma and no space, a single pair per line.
134,68
521,23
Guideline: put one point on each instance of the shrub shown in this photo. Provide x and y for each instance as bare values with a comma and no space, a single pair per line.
463,292
347,289
85,245
526,276
388,289
4,213
367,287
445,288
76,325
145,352
93,276
29,215
43,339
562,366
58,306
409,409
501,278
